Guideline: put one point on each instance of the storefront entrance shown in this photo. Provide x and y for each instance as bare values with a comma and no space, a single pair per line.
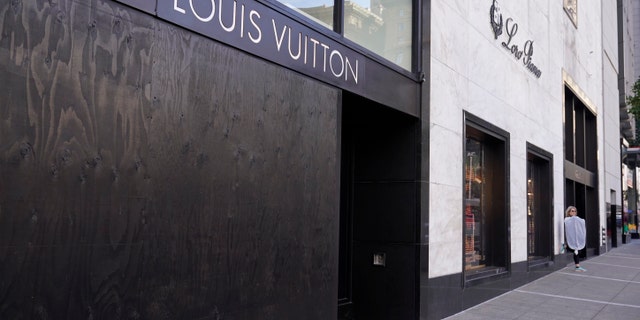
580,167
379,212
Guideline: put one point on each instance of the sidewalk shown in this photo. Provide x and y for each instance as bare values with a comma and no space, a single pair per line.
609,289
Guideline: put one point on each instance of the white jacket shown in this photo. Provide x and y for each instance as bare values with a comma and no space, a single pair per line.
575,232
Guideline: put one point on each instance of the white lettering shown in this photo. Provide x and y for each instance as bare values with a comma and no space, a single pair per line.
275,32
176,8
257,39
207,19
336,53
296,56
306,38
353,73
324,57
309,52
315,47
242,21
233,24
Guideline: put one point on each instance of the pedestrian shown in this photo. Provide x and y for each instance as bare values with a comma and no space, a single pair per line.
575,234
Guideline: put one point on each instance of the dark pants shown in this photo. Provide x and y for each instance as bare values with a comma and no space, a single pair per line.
576,259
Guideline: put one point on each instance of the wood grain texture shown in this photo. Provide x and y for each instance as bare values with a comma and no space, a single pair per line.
149,173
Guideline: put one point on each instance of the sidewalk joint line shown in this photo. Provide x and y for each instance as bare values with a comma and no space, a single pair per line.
625,256
610,265
571,273
578,299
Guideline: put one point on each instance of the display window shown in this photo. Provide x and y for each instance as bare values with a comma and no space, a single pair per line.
381,26
539,206
485,215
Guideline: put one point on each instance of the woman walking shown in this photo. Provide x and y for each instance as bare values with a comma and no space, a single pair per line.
575,234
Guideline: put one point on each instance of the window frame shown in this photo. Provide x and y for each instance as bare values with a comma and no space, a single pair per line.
488,131
337,33
537,154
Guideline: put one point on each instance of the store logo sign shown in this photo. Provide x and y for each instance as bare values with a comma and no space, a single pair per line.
255,28
510,28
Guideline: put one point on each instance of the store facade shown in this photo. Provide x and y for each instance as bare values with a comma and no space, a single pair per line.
209,159
524,122
265,159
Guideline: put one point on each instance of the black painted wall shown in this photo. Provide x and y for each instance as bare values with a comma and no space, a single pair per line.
382,146
150,173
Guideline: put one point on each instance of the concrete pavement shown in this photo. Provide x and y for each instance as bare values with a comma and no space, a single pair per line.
609,289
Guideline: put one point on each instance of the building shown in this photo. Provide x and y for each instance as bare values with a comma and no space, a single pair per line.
629,26
524,122
265,159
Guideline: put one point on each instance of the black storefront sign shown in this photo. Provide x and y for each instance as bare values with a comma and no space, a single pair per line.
256,28
253,27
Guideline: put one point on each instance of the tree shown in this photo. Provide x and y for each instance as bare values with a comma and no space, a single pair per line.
634,102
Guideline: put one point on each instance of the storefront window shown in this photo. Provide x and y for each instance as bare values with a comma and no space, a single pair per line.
320,11
486,248
531,208
539,206
473,222
382,26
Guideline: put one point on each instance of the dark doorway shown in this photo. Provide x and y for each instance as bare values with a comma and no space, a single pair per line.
379,212
585,199
614,219
539,207
580,167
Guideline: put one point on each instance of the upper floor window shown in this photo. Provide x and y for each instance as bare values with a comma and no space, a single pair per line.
374,24
320,11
